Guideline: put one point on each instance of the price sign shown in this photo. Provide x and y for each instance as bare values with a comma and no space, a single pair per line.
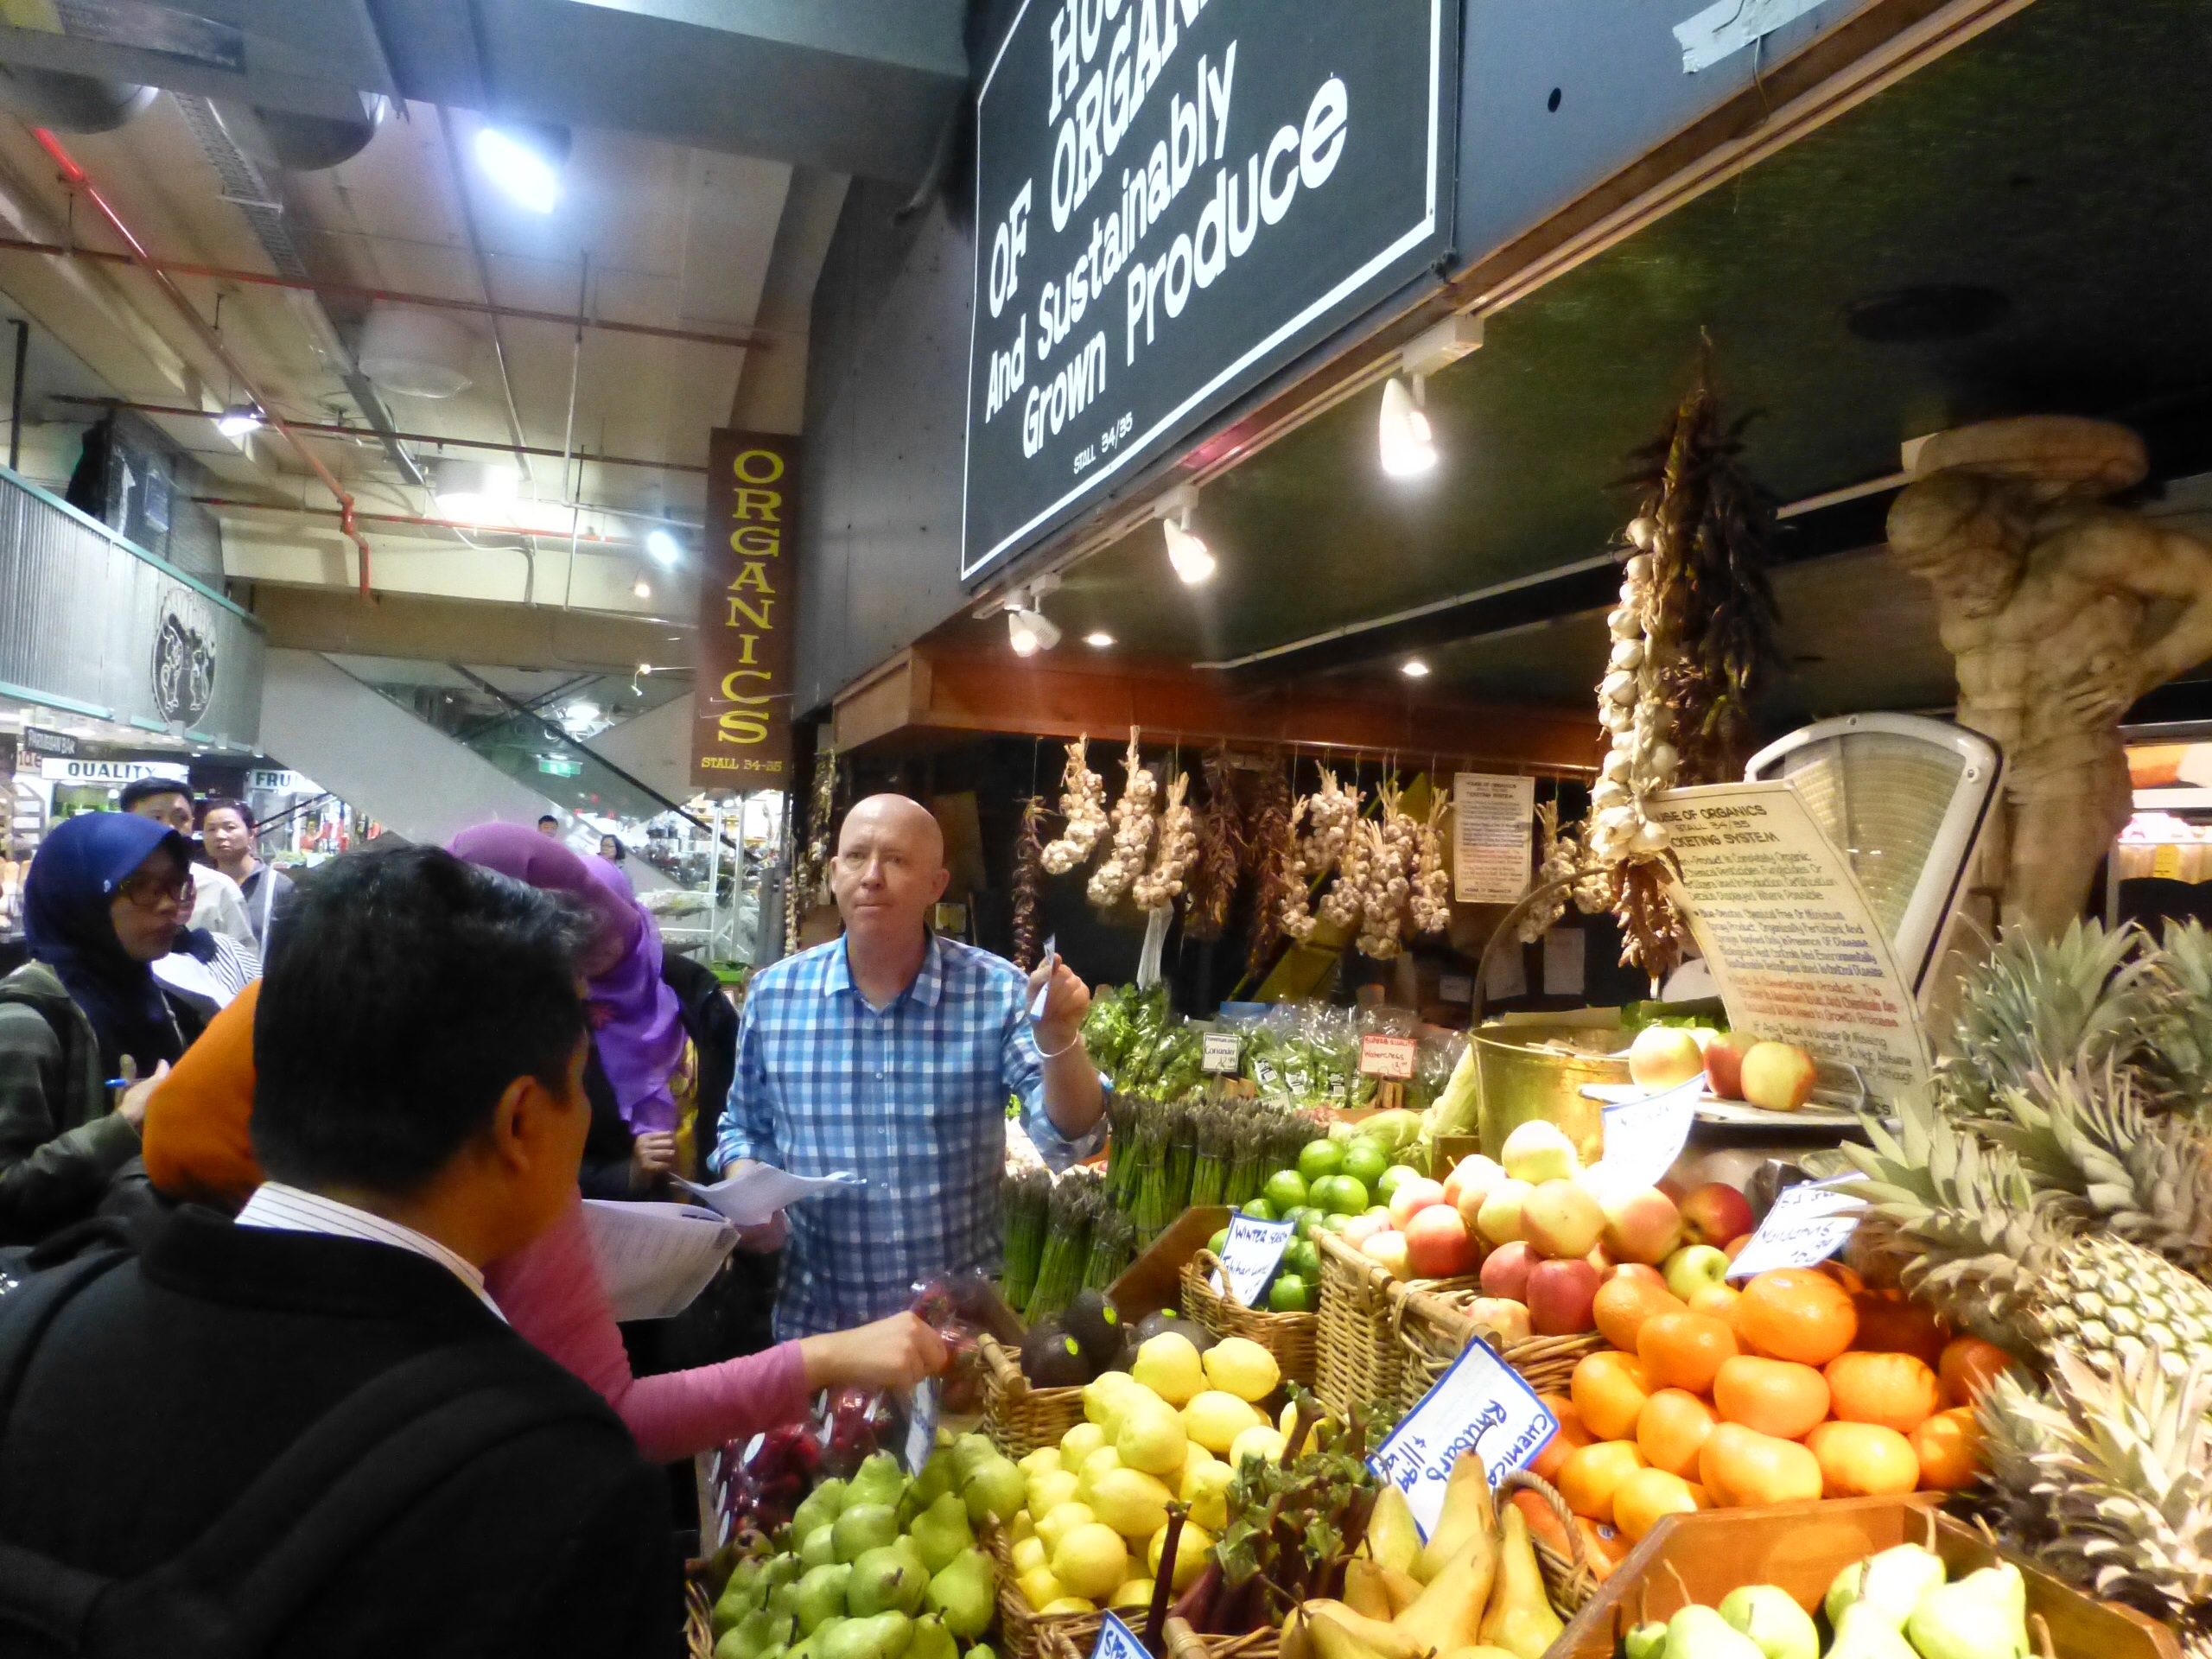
1644,1137
1223,1050
1480,1405
1455,988
1807,1225
921,1425
1117,1641
1384,1056
1251,1254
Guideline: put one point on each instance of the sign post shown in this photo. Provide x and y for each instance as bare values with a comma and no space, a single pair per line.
741,698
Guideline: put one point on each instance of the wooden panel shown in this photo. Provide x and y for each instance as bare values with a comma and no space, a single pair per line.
881,704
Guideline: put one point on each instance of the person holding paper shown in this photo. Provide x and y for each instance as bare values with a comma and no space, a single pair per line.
891,1053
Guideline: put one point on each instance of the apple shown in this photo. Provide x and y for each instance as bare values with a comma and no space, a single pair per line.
1724,1064
1389,1249
1694,1267
1600,1258
1475,1175
1499,1219
1560,1298
1500,1320
1778,1076
1437,1243
1359,1229
1663,1056
1505,1270
1411,1198
1714,1213
1640,1273
1704,1036
1538,1151
1672,1188
1643,1226
1561,1219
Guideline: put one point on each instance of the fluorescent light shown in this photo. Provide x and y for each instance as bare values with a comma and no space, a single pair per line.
1408,446
664,546
1193,559
1032,632
237,420
524,162
1413,668
1098,639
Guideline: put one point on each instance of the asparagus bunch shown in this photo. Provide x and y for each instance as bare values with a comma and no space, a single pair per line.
1122,1113
1076,1204
1028,1195
1214,1123
1113,1247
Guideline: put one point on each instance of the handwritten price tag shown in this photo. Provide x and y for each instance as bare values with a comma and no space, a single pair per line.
1807,1225
1251,1254
1384,1056
1117,1641
1221,1050
1644,1137
1480,1405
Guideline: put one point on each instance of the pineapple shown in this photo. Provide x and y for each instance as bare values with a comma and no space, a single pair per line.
2181,1032
2108,1477
2048,1006
1979,1242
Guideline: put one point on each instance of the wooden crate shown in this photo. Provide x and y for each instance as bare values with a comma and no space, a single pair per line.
1801,1546
1291,1338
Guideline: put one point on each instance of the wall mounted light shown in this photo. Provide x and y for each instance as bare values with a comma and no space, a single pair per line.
1193,560
524,159
1406,443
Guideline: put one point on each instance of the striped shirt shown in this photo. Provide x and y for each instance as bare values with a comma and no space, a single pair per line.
281,1209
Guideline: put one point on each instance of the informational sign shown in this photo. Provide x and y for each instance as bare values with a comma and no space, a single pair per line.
1455,988
1221,1052
1808,1224
1480,1405
1117,1641
281,780
110,772
1793,943
1643,1137
1381,1055
1493,838
1173,199
741,697
1250,1256
39,740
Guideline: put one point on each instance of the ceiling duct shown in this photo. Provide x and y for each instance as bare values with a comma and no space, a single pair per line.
416,353
301,144
62,101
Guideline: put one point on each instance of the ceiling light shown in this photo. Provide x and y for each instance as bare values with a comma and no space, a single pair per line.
642,588
524,160
580,714
1030,629
1098,639
1408,446
664,546
237,420
645,669
1193,560
1413,668
478,492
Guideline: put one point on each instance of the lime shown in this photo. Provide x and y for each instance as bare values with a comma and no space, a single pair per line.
1364,1161
1219,1242
1340,1195
1394,1177
1286,1190
1290,1295
1320,1158
1304,1259
1299,1216
1309,1221
1260,1210
1329,1222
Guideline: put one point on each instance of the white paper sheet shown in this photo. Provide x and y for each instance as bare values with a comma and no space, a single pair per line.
756,1192
655,1258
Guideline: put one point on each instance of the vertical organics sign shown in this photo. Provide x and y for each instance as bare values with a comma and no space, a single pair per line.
1174,198
741,708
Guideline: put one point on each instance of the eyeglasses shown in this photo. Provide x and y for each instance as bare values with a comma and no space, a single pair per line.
148,890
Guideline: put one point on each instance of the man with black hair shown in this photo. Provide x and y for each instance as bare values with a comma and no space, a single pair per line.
549,825
308,1430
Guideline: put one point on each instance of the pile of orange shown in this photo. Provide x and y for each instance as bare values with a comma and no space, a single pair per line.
1803,1385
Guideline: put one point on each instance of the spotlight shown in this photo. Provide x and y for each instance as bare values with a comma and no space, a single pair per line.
1098,639
1193,559
524,159
664,546
1032,630
578,715
1413,668
645,669
237,420
642,588
1408,446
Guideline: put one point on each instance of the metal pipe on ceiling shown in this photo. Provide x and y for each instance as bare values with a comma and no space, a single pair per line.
76,178
589,539
751,340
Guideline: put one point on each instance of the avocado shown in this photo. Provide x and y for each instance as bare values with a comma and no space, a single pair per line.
1051,1358
1096,1324
1153,1324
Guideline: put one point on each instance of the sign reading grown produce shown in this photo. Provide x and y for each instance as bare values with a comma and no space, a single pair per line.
1174,198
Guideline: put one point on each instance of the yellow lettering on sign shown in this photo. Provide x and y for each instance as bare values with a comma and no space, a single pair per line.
748,463
749,641
754,575
757,540
741,725
731,694
758,504
758,619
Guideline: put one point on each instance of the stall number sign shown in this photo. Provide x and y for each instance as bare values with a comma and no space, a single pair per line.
1644,1137
1250,1256
1384,1056
1117,1641
1174,198
1808,1224
1480,1405
1222,1051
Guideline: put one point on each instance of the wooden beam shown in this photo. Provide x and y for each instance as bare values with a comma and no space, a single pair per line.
418,628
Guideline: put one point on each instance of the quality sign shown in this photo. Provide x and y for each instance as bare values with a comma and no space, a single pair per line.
1173,199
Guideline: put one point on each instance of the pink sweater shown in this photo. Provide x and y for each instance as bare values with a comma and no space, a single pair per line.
551,1295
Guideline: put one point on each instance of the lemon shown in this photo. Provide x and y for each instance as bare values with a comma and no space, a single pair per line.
1040,1588
1169,1365
1214,1419
1191,1551
1102,1398
1132,1502
1240,1366
1137,1592
1062,1521
1152,1438
1048,1492
1029,1554
1067,1605
1023,1527
1206,1490
1075,1444
1042,1461
1091,1560
1261,1442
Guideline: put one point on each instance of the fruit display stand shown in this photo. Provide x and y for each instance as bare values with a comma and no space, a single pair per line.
1433,1329
1801,1546
1291,1338
1018,1417
1357,1354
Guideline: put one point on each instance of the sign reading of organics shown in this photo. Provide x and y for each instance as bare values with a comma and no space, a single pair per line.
741,699
1173,199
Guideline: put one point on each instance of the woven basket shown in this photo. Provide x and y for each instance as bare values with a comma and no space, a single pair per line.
1356,1358
698,1617
1433,1328
1018,1418
1569,1580
1023,1633
1181,1644
1291,1338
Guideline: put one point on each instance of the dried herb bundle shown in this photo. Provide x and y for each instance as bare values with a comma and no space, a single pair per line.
1222,851
1028,881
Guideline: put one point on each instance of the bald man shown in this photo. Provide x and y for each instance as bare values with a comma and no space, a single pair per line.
891,1051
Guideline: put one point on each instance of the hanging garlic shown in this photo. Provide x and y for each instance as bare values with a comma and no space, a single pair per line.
1332,809
1295,916
1132,827
1158,888
1083,802
1430,906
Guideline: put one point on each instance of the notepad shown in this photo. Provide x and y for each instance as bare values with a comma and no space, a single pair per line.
756,1192
654,1259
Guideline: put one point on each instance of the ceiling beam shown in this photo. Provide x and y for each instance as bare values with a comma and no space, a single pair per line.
488,634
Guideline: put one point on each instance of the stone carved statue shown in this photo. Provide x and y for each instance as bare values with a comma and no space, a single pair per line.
2060,611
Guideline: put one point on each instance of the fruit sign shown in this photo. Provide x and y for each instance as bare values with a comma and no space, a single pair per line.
1808,1224
1250,1256
1117,1641
1643,1137
741,723
1480,1405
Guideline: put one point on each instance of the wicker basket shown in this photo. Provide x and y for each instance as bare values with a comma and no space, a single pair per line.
1569,1580
1024,1634
1433,1328
1018,1418
1291,1338
1355,1351
698,1617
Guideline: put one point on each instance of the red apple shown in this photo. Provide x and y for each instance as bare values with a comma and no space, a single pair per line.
1505,1270
1724,1064
1499,1320
1499,1218
1662,1057
1561,1295
1475,1175
1643,1226
1715,1213
1411,1198
1561,1219
1437,1243
1356,1231
1778,1076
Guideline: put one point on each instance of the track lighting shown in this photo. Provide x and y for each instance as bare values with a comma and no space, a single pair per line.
1032,632
1193,561
1408,446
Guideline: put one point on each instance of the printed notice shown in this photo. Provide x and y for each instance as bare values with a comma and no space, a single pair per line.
1250,1256
1117,1641
1480,1405
1808,1224
1493,838
1221,1050
1793,943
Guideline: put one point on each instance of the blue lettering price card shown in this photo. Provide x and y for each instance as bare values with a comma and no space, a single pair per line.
1480,1405
921,1425
1808,1224
1117,1641
1250,1256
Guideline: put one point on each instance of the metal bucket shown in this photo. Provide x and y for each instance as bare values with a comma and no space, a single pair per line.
1530,1070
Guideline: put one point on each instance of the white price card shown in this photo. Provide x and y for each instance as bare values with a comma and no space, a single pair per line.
1643,1137
1117,1641
1221,1050
921,1424
1250,1256
1480,1405
1455,988
1381,1055
1807,1225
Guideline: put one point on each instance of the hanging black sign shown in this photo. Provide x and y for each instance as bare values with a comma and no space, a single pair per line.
1174,198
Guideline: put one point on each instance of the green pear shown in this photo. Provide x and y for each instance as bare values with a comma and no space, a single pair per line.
753,1635
1983,1616
932,1641
970,1453
984,1650
1698,1632
882,1636
996,1492
964,1595
819,1547
822,1596
878,1480
938,1474
1892,1581
783,1600
864,1527
885,1580
820,1507
809,1646
941,1531
1771,1617
1864,1632
1645,1641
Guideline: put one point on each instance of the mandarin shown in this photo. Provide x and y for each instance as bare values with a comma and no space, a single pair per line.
1740,1466
1889,1323
1623,1304
1671,1429
1795,1313
1948,1446
1609,1390
1572,1433
1895,1390
1647,1495
1684,1349
1863,1460
1775,1397
1591,1474
1967,1365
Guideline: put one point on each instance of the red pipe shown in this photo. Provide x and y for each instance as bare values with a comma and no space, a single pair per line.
348,514
77,179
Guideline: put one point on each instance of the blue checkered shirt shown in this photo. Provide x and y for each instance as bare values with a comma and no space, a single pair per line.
912,1098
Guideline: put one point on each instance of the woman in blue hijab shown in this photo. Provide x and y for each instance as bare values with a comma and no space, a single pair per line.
107,896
